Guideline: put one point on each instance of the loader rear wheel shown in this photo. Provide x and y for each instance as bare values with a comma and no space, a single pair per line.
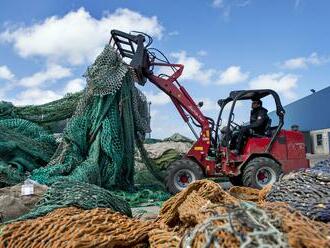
260,172
181,173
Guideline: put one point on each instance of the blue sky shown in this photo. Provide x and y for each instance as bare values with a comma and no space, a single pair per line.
45,47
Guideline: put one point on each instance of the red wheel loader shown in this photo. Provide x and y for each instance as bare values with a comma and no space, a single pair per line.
264,158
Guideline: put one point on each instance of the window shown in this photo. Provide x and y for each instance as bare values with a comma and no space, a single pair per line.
319,140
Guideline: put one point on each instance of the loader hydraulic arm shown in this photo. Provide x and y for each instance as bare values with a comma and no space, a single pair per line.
179,96
143,60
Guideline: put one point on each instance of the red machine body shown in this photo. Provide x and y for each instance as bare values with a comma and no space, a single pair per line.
288,150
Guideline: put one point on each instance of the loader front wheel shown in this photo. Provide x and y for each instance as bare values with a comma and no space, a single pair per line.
181,173
260,172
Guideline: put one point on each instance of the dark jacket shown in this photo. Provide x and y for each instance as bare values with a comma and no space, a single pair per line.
259,120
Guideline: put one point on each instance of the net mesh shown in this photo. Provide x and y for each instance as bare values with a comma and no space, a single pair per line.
98,142
69,193
306,191
24,146
202,215
45,114
73,227
97,147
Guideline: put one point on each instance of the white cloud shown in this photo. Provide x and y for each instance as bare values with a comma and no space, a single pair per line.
232,75
209,105
304,62
284,84
53,72
217,3
76,37
226,6
75,85
193,68
36,96
154,113
159,98
173,33
201,53
5,73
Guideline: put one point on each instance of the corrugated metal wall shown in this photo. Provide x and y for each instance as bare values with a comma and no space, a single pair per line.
310,113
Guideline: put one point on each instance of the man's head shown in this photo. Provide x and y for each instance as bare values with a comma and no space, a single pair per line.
256,103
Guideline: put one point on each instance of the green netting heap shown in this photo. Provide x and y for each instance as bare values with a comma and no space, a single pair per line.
24,146
144,196
26,139
86,196
46,115
97,147
98,142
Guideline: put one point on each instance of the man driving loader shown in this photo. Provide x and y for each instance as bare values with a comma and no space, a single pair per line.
258,123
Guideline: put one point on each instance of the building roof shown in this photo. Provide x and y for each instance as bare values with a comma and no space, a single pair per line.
309,113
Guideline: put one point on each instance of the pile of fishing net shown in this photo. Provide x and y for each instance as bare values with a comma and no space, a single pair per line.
307,191
95,154
97,146
26,136
202,215
98,141
24,146
67,193
73,227
161,153
46,115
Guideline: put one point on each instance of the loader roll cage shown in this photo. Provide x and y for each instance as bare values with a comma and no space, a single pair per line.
248,95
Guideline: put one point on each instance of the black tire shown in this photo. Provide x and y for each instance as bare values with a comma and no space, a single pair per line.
236,180
261,166
179,168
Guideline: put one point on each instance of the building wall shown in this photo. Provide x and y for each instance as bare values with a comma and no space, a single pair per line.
320,141
310,113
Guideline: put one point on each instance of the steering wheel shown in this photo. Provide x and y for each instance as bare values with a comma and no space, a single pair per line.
234,125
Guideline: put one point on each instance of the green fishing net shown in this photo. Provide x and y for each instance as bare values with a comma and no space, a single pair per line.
95,154
24,146
48,115
98,142
67,193
97,145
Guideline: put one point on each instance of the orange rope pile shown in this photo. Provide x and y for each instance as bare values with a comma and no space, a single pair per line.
163,238
208,190
301,231
200,216
73,227
245,193
204,206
